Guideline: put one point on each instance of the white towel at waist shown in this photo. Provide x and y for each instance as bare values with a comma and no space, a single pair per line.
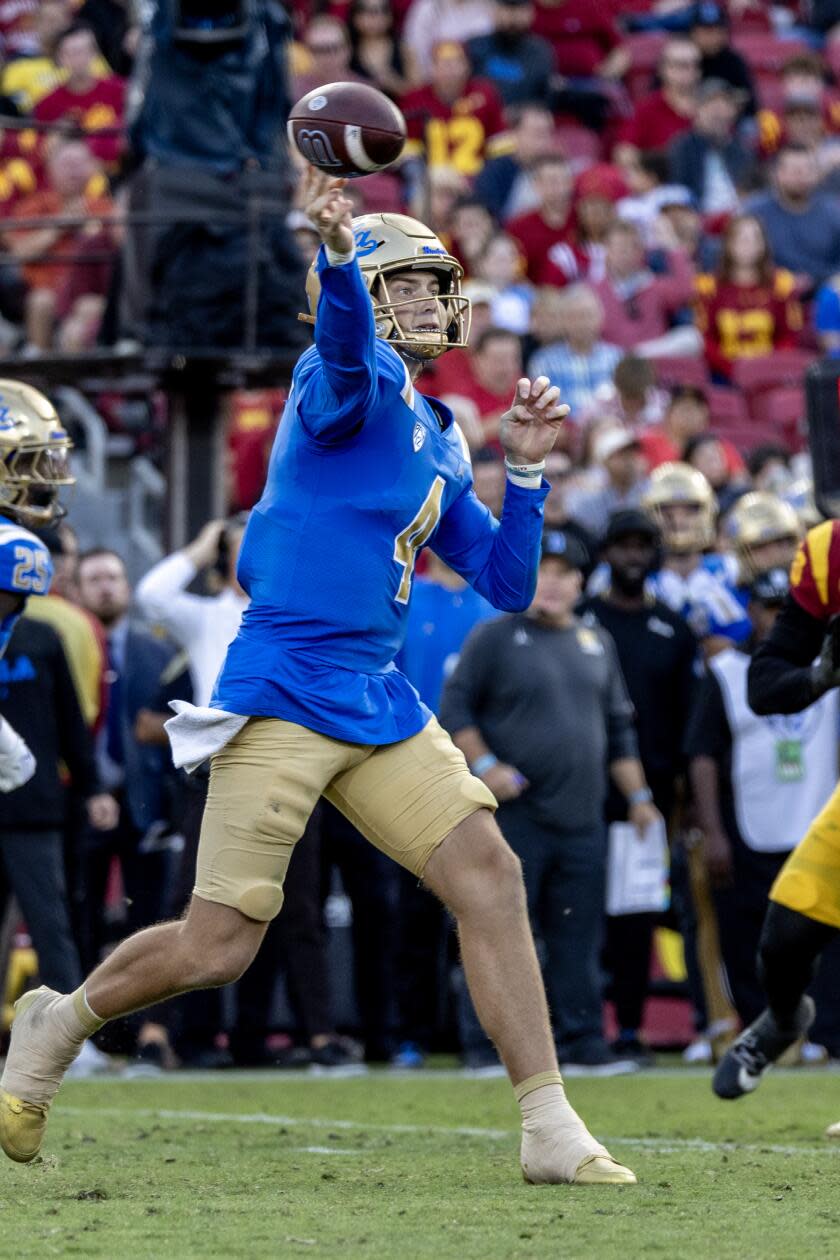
195,733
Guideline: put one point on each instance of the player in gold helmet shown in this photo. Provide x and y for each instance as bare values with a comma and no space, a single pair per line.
682,503
364,472
402,263
34,455
765,532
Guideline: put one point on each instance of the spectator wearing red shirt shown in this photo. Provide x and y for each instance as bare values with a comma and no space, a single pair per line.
94,104
748,308
72,174
686,419
586,40
455,120
597,192
492,368
552,223
666,113
639,305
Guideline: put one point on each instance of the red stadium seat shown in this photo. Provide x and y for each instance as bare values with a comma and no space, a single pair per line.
785,367
645,48
681,371
784,409
766,53
727,407
580,145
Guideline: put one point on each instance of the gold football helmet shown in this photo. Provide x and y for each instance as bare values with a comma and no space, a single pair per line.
756,521
682,503
34,456
388,243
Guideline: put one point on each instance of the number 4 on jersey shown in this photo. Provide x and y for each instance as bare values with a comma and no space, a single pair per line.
415,535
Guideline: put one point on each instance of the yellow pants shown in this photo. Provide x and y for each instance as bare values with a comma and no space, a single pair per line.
809,881
405,798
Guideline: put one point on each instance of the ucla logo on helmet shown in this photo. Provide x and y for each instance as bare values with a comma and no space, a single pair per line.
7,420
365,243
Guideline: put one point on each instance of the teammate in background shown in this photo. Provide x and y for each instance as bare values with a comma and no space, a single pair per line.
694,580
765,532
793,667
34,464
363,473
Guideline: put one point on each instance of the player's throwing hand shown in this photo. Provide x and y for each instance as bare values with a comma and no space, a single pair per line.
325,205
528,430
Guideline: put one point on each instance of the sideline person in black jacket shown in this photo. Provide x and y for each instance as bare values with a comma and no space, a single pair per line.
38,698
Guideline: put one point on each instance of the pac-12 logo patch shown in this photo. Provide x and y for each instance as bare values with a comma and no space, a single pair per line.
418,437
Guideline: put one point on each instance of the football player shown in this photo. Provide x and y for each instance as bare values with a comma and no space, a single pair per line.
765,532
364,472
797,664
34,465
694,580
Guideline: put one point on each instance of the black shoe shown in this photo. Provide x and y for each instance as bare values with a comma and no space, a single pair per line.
632,1048
148,1061
758,1048
210,1059
337,1053
597,1060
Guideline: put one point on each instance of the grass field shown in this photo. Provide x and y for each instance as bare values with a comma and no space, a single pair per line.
405,1168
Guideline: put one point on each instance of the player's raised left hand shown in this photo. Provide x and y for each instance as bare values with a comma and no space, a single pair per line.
528,430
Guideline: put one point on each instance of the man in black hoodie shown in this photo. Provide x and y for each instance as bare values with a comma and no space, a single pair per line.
38,699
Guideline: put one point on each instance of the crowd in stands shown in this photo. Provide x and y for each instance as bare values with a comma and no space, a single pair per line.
645,198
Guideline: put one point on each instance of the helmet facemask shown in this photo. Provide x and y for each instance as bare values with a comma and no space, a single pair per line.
31,478
453,310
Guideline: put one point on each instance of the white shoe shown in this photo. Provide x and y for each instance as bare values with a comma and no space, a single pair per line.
700,1051
91,1062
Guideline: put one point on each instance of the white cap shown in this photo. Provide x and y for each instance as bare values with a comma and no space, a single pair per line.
612,441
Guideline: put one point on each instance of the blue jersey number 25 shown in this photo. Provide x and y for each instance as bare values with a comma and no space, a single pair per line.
31,572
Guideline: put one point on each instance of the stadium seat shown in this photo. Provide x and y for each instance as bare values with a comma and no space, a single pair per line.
681,371
785,367
766,53
727,406
784,409
831,52
645,48
580,145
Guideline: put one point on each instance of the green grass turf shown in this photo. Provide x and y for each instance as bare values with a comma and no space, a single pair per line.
154,1168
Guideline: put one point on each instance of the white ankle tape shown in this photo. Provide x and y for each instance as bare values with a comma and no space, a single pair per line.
555,1141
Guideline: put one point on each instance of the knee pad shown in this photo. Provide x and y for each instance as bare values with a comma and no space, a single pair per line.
260,900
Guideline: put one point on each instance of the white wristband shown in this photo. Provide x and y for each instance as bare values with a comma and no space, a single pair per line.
528,476
338,257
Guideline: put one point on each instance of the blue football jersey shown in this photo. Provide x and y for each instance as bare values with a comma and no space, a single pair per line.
709,598
25,569
439,621
364,472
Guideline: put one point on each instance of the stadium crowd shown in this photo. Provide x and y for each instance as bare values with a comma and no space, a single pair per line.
645,199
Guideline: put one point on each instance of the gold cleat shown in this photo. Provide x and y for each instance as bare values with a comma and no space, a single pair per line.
603,1170
833,1130
22,1126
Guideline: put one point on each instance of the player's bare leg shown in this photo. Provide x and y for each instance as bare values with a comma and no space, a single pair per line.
212,946
476,874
